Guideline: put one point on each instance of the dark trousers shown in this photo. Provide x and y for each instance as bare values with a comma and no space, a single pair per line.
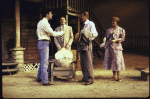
86,59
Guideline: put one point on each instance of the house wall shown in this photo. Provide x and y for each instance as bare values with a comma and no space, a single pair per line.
30,15
8,28
134,16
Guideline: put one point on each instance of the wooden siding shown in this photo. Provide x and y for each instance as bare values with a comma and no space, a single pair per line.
7,28
30,15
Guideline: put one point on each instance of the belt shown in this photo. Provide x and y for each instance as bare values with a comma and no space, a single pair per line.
43,40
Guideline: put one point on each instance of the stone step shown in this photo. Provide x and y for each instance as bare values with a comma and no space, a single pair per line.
9,70
9,65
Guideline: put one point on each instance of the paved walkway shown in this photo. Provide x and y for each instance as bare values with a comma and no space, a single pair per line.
24,85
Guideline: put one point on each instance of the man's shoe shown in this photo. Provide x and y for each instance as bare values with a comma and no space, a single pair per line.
82,81
39,80
89,83
47,84
119,79
69,79
113,79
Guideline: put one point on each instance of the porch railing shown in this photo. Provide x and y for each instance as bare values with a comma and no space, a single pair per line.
77,6
137,44
55,4
83,5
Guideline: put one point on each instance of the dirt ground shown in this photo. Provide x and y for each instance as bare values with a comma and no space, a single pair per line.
24,85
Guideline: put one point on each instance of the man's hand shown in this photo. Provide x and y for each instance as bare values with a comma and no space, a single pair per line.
67,47
102,45
59,48
113,41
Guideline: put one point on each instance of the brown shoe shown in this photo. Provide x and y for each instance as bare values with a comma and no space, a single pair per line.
113,79
69,79
119,79
46,84
82,81
39,80
89,83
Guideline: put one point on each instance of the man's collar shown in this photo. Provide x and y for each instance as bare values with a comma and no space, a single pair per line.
45,18
62,25
86,21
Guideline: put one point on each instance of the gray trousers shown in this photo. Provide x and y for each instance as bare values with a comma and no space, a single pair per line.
86,60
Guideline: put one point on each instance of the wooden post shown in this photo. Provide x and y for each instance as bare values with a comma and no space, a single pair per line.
78,68
18,52
61,3
66,19
17,16
78,25
67,5
79,5
78,54
57,4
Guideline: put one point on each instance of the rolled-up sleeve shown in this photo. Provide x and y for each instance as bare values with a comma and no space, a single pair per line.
50,31
93,30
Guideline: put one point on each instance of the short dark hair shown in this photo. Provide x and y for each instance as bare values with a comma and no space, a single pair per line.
85,13
45,12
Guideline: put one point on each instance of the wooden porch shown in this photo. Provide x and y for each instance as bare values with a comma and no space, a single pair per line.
68,8
30,14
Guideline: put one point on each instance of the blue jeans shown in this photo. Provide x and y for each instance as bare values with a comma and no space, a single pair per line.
43,47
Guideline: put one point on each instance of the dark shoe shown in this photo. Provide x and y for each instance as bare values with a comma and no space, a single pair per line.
82,81
119,79
69,79
39,80
47,84
89,83
113,79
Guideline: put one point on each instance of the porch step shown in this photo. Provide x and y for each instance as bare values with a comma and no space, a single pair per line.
9,71
9,67
9,64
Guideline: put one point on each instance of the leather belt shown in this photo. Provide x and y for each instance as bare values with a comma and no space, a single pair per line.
43,40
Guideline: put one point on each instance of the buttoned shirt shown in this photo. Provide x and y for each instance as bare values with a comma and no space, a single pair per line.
63,27
90,26
44,30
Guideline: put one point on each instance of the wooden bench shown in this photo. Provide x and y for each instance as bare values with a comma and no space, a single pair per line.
144,73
